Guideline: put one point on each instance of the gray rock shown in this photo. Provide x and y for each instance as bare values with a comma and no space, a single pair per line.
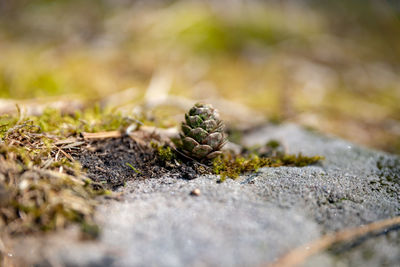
254,219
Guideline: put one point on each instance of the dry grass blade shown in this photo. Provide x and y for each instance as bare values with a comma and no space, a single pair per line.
68,156
73,145
299,255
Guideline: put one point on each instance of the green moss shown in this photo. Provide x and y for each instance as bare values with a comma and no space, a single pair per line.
51,121
298,160
90,120
232,166
6,122
164,152
274,144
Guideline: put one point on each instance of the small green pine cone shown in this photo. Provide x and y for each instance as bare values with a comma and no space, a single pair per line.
202,132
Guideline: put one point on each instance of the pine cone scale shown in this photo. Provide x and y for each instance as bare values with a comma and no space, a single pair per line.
189,143
201,151
214,140
198,134
209,125
185,129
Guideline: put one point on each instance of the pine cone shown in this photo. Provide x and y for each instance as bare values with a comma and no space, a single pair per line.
203,132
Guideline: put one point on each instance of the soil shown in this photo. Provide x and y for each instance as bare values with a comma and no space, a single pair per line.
107,162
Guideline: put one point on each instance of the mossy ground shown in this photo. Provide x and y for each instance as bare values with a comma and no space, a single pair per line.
50,175
43,186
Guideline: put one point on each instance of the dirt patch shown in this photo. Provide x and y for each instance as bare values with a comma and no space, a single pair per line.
114,161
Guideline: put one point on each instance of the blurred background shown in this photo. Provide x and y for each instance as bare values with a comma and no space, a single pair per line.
332,66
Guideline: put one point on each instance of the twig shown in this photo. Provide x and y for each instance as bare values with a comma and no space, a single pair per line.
101,135
300,254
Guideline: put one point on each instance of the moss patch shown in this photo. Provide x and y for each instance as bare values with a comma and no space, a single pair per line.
42,186
270,155
164,152
232,166
92,119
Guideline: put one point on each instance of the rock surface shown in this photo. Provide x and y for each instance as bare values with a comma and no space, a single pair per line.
249,221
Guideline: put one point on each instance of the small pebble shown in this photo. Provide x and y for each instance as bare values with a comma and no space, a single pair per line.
195,192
